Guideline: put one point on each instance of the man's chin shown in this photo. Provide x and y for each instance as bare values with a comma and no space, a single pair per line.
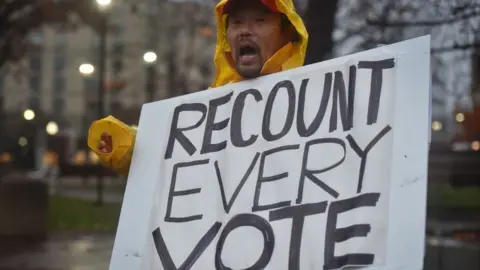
249,72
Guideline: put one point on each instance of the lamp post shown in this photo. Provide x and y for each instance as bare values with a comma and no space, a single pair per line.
38,138
51,128
41,130
150,59
103,5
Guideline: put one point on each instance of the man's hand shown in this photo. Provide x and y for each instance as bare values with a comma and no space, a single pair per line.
106,143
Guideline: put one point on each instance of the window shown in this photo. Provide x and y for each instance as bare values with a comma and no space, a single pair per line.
60,42
36,38
95,48
115,106
58,85
36,63
35,83
92,108
118,49
117,66
59,105
34,103
117,30
59,62
91,85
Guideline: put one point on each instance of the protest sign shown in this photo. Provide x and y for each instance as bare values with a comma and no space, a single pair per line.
320,167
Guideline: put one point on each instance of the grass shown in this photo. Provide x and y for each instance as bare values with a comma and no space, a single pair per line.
91,184
76,215
443,195
68,214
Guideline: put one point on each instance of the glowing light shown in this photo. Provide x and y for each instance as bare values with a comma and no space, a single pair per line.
475,145
437,125
22,141
52,128
104,3
149,57
29,114
93,157
86,69
460,117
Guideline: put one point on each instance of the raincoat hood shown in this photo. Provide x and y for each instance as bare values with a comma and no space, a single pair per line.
290,56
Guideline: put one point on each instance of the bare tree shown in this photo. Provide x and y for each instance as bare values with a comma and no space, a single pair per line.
19,17
453,24
186,45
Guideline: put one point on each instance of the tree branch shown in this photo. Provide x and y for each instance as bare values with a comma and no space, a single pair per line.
419,23
456,47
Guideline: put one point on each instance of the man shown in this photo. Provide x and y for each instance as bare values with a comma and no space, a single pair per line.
254,38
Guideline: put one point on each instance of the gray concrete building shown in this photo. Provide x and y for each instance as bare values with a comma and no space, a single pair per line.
49,82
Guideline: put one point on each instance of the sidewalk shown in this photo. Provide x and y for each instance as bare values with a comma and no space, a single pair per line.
64,251
93,252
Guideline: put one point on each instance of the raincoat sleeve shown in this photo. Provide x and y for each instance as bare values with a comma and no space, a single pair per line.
123,139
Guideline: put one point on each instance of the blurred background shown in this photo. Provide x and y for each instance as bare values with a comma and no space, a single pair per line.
66,63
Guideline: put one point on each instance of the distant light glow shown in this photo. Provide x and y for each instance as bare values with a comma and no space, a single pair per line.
475,145
149,57
104,3
86,69
52,128
436,125
22,141
29,115
460,117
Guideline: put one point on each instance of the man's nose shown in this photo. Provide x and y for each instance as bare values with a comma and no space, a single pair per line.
245,29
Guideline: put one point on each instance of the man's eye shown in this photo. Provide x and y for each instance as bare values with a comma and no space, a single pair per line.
260,19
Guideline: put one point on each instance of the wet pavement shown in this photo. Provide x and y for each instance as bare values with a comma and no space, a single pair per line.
93,251
63,252
451,254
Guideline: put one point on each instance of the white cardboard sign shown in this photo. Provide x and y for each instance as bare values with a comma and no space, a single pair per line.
321,167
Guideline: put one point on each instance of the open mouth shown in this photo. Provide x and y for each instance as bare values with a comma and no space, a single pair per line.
247,53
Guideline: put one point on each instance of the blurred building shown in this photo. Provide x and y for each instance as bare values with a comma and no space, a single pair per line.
49,82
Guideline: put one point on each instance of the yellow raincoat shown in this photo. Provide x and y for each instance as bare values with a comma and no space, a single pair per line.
290,56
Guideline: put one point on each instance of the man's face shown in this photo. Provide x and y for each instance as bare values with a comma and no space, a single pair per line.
254,34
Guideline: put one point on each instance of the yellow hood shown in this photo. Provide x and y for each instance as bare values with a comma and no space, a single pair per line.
290,56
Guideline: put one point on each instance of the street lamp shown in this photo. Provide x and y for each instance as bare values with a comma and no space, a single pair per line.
29,115
22,141
149,57
52,128
460,117
103,29
86,69
104,3
436,125
475,145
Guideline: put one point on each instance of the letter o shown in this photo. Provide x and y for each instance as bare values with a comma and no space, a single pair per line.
266,132
258,223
